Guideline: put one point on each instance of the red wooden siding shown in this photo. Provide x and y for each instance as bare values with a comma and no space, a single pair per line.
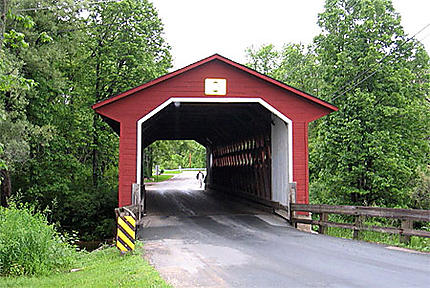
300,161
127,162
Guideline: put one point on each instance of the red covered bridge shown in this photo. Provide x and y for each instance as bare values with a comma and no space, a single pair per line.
255,129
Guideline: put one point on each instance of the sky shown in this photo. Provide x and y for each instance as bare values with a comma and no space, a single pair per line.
196,29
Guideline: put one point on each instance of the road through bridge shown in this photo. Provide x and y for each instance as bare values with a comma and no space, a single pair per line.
198,238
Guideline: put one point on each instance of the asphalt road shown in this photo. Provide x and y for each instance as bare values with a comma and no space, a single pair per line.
198,239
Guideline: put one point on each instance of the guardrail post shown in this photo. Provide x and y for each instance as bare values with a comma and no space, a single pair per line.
126,229
292,187
294,223
406,224
359,219
143,193
322,229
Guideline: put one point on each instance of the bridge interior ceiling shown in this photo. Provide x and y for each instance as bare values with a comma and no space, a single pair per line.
210,124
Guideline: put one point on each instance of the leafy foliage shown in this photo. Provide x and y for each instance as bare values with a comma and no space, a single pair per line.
421,190
29,245
117,60
175,153
369,152
13,135
3,165
2,162
294,64
73,55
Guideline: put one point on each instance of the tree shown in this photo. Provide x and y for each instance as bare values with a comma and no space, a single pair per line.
75,53
265,59
294,64
14,127
126,49
369,151
174,153
44,106
374,148
3,167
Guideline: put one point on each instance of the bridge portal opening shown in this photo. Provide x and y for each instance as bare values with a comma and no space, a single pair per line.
246,145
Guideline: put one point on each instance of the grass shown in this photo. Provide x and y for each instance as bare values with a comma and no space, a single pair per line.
159,178
104,268
173,172
417,243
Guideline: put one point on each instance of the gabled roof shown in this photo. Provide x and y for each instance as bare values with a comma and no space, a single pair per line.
207,60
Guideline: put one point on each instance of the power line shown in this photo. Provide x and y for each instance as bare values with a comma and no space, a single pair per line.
379,61
89,27
65,6
372,67
424,37
351,7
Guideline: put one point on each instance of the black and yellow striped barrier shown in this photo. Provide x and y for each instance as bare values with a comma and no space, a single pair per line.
126,233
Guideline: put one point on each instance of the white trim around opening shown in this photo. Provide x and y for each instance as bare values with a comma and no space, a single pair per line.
214,100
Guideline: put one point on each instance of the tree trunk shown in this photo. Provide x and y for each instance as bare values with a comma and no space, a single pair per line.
95,151
6,187
3,17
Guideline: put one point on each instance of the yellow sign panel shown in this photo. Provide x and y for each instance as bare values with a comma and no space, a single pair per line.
215,86
126,233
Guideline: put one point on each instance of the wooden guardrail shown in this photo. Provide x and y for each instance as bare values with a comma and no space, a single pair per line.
407,217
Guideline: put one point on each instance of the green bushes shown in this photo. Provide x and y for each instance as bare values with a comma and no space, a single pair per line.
420,195
29,245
